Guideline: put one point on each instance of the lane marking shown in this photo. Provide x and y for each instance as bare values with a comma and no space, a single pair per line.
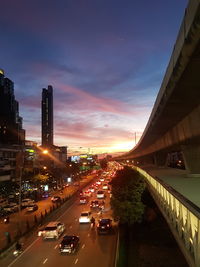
56,246
45,261
76,261
83,245
70,207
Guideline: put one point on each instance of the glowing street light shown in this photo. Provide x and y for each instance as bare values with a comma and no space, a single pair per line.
45,151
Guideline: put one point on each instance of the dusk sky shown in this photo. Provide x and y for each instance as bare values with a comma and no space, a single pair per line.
104,58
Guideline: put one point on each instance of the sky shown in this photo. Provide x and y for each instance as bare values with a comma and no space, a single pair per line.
105,59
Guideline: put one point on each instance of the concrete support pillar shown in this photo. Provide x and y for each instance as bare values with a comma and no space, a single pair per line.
160,159
191,155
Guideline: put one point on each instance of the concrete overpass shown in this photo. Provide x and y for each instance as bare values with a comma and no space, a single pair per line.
174,124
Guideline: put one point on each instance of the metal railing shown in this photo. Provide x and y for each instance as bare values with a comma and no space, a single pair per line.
182,216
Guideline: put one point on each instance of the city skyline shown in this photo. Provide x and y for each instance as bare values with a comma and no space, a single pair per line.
105,62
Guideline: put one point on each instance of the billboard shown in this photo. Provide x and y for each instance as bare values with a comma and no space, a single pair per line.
75,158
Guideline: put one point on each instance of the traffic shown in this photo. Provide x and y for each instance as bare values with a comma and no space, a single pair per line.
85,231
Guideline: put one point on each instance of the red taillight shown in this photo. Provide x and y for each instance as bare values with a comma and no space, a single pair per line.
98,225
108,225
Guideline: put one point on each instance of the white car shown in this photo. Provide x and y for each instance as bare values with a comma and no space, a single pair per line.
100,194
91,189
85,217
53,230
105,186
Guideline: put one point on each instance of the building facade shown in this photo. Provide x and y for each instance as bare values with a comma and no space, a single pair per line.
11,131
47,117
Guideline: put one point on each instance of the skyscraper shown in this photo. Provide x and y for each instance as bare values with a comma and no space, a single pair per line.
47,117
11,131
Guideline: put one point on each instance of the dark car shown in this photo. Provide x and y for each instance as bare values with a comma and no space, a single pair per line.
56,199
69,244
104,226
94,204
4,213
32,207
83,200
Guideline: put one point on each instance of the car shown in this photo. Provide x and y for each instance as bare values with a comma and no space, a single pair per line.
69,244
100,194
3,202
45,195
53,230
83,200
32,207
94,204
102,179
87,193
12,207
40,231
105,187
26,202
85,217
91,189
104,226
4,213
56,199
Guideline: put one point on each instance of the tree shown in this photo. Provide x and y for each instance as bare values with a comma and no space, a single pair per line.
40,178
127,190
103,163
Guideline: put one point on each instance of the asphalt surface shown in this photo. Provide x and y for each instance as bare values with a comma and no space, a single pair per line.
94,250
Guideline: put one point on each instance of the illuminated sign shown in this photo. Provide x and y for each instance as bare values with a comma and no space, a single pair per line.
46,188
83,156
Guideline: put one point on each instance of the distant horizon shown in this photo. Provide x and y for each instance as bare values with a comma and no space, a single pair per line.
105,60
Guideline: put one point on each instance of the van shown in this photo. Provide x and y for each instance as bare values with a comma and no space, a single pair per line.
53,230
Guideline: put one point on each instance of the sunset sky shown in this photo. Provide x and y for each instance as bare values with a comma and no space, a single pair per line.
104,58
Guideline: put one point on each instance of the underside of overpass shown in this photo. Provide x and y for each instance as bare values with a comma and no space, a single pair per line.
175,118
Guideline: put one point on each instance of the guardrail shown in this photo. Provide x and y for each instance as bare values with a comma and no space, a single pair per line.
182,216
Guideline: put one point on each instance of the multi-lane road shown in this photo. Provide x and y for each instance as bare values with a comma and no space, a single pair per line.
94,250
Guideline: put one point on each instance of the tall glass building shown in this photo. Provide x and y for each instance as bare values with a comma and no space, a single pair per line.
47,117
11,131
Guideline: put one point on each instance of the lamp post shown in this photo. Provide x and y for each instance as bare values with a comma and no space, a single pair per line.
21,166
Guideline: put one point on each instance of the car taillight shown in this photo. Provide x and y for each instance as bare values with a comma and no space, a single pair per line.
108,225
98,225
71,245
60,245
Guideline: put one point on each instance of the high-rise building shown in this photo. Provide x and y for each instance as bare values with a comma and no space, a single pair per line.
11,131
47,117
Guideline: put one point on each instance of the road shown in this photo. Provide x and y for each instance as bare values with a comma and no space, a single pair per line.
23,217
94,250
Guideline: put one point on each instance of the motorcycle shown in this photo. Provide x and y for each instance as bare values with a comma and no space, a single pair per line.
92,224
6,220
18,249
17,252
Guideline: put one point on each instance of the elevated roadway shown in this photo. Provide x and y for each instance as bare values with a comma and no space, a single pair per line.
174,126
174,122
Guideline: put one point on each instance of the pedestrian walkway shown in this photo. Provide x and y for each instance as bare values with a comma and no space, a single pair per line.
179,180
